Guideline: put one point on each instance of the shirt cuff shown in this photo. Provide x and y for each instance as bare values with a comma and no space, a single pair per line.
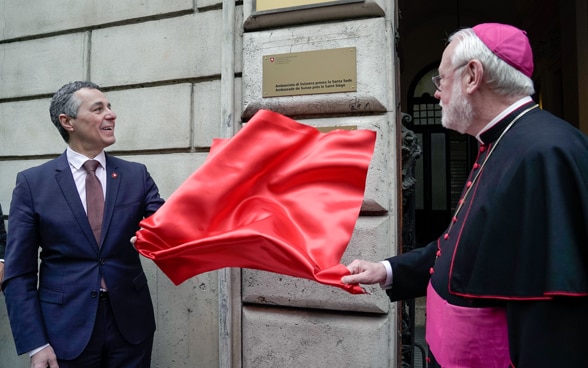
35,351
388,283
2,260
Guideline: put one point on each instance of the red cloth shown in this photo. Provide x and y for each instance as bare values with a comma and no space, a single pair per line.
279,196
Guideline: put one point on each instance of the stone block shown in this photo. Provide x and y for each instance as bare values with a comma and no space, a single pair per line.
187,322
27,130
207,117
287,338
168,49
366,35
170,170
41,66
203,4
46,17
152,118
369,241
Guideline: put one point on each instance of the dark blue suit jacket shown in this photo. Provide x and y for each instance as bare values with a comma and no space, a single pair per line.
2,234
46,212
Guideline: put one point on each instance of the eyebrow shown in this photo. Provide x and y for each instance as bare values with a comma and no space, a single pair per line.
100,103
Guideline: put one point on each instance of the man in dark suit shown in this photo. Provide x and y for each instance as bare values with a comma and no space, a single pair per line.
87,303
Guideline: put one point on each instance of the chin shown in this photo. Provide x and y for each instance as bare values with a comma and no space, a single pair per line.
109,142
460,128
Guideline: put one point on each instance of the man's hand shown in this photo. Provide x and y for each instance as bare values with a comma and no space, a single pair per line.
44,358
364,272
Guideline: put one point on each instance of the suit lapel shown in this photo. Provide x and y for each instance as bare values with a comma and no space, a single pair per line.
113,179
68,188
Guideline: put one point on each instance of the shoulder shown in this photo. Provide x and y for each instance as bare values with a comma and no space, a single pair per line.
539,146
541,131
56,164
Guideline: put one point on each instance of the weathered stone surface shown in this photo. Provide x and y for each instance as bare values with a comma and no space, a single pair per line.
37,67
366,35
369,241
152,118
170,170
169,49
26,129
289,338
46,17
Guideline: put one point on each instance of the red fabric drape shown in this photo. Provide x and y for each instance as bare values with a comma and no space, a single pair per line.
279,196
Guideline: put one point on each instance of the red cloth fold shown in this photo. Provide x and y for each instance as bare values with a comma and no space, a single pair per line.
279,196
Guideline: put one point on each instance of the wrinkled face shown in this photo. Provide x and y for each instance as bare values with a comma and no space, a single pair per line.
93,128
456,109
458,114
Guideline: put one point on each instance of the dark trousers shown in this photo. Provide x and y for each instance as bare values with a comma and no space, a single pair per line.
108,348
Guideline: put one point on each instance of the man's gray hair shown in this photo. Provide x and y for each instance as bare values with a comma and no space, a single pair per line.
64,102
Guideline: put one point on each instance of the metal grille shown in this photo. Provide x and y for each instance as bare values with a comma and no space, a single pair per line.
426,111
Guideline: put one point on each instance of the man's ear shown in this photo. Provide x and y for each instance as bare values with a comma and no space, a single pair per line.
474,75
65,122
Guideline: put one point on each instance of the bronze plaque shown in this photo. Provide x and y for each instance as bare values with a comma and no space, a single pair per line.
310,72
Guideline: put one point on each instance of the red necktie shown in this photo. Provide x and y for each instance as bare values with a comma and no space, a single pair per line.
94,198
94,202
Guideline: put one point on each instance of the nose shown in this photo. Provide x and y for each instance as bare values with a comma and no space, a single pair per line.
437,94
111,115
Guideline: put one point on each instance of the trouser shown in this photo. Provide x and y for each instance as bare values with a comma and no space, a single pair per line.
107,347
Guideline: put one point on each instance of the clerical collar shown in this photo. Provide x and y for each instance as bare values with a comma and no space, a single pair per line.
494,128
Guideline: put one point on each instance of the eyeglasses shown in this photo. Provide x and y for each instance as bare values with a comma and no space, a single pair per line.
437,82
437,79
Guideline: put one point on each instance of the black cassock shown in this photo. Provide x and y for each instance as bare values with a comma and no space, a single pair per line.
519,240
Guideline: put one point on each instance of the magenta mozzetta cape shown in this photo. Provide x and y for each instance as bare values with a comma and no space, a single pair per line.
279,196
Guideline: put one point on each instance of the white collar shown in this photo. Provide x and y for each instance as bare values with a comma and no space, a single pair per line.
76,159
504,113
